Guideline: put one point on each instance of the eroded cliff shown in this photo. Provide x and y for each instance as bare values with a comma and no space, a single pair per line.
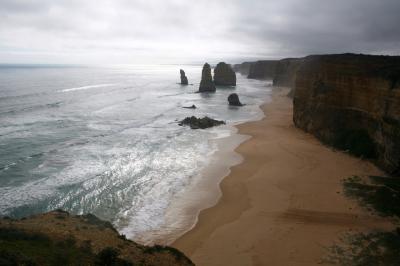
352,102
264,69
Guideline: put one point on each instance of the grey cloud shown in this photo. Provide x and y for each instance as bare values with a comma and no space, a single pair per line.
183,31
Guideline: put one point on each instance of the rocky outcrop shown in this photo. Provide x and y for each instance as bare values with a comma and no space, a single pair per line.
224,75
58,238
184,79
233,100
200,123
263,69
206,83
352,102
242,68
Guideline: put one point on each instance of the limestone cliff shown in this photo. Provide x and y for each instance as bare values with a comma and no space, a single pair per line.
353,103
242,68
285,73
264,69
58,238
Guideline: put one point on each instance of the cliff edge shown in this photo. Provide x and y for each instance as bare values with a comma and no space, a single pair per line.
352,102
58,238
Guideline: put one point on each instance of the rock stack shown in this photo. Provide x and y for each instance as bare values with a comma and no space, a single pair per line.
184,80
206,83
233,100
224,75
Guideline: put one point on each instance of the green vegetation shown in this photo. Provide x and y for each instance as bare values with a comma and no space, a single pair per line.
159,249
379,194
374,249
18,247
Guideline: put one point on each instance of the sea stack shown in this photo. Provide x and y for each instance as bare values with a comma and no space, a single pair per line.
233,100
206,83
184,80
224,75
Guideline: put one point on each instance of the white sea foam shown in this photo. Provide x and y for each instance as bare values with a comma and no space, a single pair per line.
87,87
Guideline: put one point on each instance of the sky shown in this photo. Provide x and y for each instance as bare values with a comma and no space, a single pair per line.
192,31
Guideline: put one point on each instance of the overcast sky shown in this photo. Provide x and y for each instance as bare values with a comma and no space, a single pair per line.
179,31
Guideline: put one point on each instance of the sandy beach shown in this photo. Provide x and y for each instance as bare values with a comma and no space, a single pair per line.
284,203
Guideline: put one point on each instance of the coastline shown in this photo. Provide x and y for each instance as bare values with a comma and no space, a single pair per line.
204,191
283,203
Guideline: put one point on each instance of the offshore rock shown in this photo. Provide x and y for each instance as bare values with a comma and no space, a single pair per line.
206,83
224,75
233,100
200,123
190,107
184,79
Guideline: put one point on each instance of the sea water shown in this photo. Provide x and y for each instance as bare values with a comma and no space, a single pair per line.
106,140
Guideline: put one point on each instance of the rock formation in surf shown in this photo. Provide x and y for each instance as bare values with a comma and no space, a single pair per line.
206,83
233,99
200,123
224,75
184,79
352,102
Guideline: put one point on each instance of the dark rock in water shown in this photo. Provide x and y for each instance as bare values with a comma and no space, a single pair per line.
200,123
224,75
190,107
233,100
184,79
206,83
264,69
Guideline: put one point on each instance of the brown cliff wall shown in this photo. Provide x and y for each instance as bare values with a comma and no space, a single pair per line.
285,74
264,69
353,103
242,68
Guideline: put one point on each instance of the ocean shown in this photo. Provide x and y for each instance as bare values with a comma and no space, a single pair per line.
106,140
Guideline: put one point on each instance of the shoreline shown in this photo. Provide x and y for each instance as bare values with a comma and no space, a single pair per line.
283,203
204,190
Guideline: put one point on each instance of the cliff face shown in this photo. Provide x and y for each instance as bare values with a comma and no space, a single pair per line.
353,103
242,68
285,74
58,238
262,69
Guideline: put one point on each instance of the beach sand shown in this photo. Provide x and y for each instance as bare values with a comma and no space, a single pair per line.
284,203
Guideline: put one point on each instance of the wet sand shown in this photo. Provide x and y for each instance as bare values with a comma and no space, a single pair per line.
284,203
